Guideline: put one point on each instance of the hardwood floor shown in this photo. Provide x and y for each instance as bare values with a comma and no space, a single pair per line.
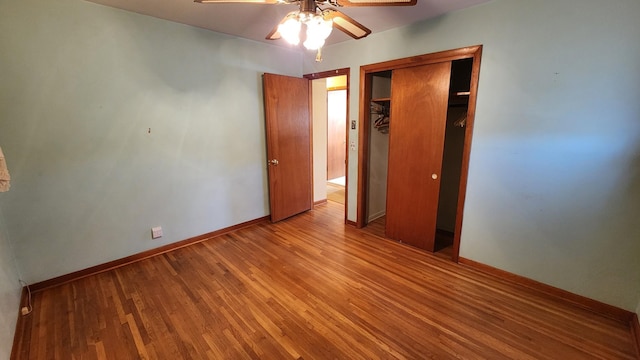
335,193
443,242
309,288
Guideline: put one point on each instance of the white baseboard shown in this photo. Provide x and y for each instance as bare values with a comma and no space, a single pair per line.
376,216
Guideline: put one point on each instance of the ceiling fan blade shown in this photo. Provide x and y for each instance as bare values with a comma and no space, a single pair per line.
346,24
275,34
240,1
376,2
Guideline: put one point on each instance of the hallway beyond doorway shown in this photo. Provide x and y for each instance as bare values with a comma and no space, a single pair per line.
338,181
335,191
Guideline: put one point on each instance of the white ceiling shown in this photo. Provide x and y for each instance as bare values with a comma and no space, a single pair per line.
255,21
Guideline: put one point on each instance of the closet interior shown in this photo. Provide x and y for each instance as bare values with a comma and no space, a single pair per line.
378,145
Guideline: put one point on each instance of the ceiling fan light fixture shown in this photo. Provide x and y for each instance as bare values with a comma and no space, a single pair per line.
290,30
318,30
319,21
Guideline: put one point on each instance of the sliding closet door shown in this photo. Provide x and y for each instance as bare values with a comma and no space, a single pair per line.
419,102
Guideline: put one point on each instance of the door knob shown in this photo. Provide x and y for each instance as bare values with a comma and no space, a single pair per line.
434,176
272,162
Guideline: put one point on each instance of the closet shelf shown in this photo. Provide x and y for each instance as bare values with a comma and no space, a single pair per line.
381,100
459,98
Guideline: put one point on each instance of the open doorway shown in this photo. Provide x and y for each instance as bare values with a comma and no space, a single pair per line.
336,138
330,97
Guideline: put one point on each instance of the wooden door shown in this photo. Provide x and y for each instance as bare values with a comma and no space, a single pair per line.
419,102
288,130
336,133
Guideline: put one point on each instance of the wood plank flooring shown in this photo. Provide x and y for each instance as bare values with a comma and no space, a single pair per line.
443,242
335,193
309,288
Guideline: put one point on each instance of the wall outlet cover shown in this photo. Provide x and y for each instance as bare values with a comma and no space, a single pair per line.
156,232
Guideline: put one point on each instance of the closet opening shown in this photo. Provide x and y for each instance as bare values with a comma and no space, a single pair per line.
379,147
455,131
415,138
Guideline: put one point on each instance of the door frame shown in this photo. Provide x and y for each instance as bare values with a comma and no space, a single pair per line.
366,76
324,75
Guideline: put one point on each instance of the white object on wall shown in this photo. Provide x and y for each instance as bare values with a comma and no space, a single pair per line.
156,232
5,178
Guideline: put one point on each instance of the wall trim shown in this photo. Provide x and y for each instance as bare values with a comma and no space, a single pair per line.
583,302
18,336
377,215
320,202
329,73
351,223
63,279
635,332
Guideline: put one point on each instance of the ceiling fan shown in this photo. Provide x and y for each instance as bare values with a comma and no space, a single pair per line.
318,21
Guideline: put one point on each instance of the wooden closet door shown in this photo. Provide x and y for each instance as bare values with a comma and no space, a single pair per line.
419,104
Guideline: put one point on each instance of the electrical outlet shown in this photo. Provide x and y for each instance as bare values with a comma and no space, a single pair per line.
156,232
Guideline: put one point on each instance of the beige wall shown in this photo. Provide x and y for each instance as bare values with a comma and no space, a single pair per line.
319,112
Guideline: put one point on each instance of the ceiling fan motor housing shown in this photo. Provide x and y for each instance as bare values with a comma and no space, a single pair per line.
307,7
